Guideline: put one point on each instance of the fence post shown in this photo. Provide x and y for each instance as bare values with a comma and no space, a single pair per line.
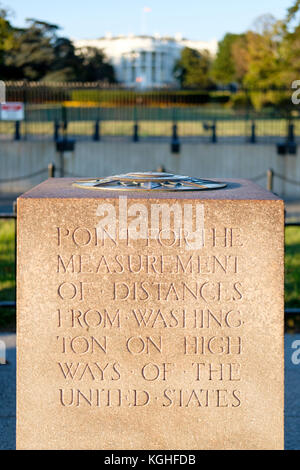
214,133
17,131
291,136
96,136
51,170
25,100
253,135
175,143
15,222
62,163
291,144
64,120
161,169
135,132
56,130
270,179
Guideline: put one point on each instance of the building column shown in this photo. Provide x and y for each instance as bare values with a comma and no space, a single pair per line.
158,67
148,68
168,76
128,71
139,68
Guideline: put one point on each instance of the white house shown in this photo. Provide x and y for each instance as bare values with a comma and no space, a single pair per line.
144,61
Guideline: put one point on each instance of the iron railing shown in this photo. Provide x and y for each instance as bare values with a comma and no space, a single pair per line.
97,110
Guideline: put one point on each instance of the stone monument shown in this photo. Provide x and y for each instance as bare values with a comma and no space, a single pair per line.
150,314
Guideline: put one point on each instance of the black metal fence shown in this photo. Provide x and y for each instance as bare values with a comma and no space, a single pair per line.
11,216
94,111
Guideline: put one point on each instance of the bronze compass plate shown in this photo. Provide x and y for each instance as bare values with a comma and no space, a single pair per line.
148,181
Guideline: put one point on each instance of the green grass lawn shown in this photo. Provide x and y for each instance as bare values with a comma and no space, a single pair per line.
292,267
186,128
7,270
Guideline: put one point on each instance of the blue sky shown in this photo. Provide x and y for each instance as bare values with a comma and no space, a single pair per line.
195,19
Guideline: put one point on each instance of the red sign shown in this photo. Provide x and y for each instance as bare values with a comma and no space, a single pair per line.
12,111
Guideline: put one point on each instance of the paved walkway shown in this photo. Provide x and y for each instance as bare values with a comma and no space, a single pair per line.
8,395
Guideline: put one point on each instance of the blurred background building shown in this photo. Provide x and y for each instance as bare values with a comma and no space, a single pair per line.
144,61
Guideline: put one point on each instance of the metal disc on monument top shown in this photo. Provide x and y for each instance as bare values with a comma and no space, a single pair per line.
148,181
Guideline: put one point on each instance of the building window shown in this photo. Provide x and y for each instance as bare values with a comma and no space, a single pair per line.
153,75
133,74
133,57
143,57
153,59
163,67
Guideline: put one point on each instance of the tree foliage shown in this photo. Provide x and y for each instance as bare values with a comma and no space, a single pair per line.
6,38
94,66
32,53
224,66
292,11
266,56
38,53
265,59
193,69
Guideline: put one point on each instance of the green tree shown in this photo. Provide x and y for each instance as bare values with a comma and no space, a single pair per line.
291,45
292,12
32,54
38,53
66,65
240,57
6,39
193,69
6,30
265,53
95,67
224,67
266,64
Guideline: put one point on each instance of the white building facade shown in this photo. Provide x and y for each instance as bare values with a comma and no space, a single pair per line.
144,61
